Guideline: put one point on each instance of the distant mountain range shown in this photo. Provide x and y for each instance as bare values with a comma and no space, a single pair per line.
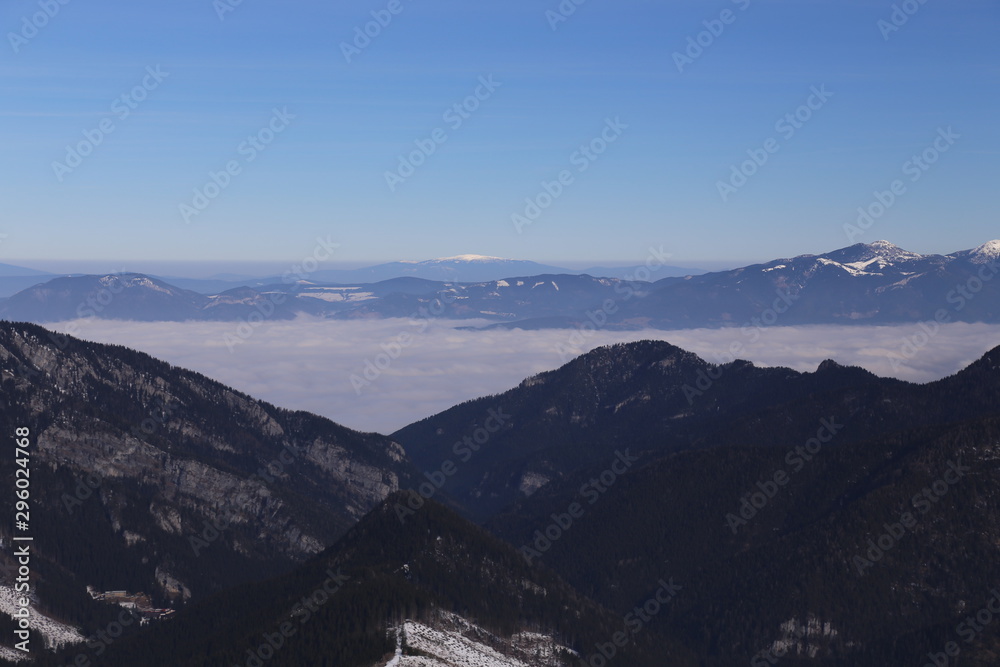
9,270
876,283
461,268
481,268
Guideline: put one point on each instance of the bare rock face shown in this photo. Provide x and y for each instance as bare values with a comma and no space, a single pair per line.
201,485
171,586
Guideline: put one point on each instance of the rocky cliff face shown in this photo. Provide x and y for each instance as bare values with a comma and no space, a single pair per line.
200,485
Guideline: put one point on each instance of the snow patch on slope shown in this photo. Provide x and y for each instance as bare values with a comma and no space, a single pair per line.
985,253
53,634
337,294
846,267
803,638
12,655
453,648
468,258
861,266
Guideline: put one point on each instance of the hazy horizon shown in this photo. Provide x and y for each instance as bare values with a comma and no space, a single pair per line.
209,268
202,269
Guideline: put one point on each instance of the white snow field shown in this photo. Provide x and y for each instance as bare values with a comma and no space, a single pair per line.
51,634
451,648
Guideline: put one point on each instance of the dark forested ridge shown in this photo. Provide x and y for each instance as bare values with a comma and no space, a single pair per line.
833,458
764,536
382,572
147,477
655,398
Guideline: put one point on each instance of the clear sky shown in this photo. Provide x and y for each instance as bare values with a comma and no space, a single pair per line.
671,133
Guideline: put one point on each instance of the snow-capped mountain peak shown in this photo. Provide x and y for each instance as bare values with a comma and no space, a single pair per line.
884,246
868,256
987,252
470,258
133,280
891,251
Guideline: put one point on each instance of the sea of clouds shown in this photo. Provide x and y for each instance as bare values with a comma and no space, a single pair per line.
418,369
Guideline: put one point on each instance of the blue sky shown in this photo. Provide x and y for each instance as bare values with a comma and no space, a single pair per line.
554,90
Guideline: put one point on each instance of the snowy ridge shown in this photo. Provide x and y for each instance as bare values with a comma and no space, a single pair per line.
892,252
459,647
468,258
985,253
851,268
52,634
131,280
880,253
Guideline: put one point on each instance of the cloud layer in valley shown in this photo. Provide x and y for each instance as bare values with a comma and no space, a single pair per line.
419,369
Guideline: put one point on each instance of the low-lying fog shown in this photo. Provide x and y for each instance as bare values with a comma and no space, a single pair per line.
418,369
